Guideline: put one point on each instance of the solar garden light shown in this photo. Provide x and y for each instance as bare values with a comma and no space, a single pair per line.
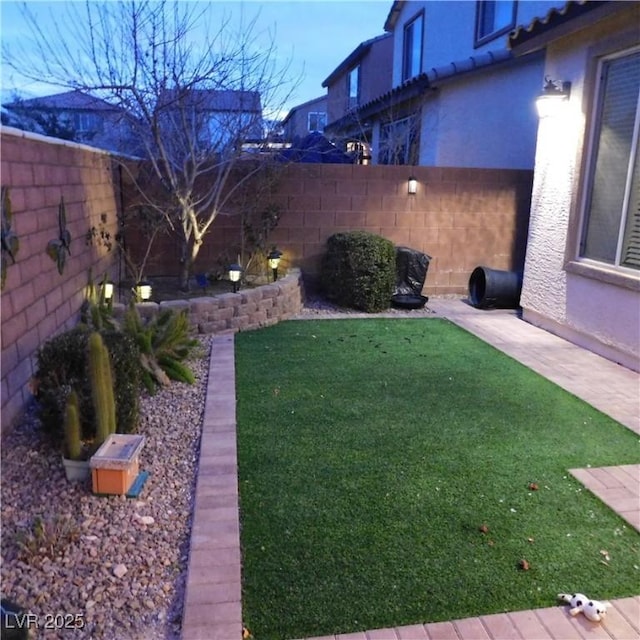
235,270
108,290
412,186
143,290
274,260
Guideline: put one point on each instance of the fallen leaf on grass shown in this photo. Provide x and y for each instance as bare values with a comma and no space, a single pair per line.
530,540
484,528
524,565
533,486
246,633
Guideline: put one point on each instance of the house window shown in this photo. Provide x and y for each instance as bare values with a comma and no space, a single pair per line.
85,122
611,225
412,48
399,142
316,121
494,18
353,81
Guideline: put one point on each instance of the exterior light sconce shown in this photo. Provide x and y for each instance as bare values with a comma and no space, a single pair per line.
274,260
143,291
107,290
235,270
554,94
412,186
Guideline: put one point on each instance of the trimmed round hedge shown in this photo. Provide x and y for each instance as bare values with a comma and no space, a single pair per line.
358,270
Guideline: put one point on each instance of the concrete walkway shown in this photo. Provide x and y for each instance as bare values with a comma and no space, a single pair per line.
213,600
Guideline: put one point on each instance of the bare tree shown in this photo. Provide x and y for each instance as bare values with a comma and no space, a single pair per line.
192,93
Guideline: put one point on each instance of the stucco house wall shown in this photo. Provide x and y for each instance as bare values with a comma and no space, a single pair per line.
449,30
486,119
475,108
296,124
592,305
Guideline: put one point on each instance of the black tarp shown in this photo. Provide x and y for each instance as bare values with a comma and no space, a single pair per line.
411,271
317,149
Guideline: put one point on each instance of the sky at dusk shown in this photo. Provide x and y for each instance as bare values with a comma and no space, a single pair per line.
313,37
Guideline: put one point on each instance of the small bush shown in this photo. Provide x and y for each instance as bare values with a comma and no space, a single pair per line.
358,270
163,342
63,365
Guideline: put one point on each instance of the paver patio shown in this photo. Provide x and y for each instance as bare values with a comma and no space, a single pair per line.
213,599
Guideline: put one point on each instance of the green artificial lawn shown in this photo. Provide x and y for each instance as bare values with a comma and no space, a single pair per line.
371,452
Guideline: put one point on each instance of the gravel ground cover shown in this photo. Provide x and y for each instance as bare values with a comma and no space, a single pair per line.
104,567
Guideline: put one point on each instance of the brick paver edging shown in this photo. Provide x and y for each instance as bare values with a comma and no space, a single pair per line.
213,598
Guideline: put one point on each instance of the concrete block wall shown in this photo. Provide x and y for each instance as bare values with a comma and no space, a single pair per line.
242,311
38,302
460,217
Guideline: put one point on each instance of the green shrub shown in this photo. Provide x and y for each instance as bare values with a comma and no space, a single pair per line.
358,270
62,365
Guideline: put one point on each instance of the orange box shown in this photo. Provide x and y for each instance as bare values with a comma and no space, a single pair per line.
116,481
115,465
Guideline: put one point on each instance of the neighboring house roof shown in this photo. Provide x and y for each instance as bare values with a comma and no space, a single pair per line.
394,12
219,100
69,100
357,54
572,16
427,80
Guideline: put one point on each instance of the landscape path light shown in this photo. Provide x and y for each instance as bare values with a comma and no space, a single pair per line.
274,261
108,290
143,290
235,270
554,95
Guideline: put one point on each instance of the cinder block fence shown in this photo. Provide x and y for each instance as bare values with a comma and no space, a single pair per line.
460,217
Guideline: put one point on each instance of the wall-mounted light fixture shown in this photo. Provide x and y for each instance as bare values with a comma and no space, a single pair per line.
235,271
554,94
412,186
143,291
108,290
274,260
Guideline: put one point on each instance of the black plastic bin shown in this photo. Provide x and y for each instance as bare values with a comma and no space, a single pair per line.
494,289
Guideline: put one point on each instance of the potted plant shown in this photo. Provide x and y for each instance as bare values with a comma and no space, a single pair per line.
75,458
76,462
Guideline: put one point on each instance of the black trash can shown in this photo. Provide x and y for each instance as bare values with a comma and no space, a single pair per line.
494,289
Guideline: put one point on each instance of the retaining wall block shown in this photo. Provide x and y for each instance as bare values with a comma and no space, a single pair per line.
204,304
147,310
258,319
240,323
176,305
229,300
215,326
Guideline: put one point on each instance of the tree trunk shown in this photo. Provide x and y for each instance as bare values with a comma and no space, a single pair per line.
185,272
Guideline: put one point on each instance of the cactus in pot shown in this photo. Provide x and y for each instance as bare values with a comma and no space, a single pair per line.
101,387
73,442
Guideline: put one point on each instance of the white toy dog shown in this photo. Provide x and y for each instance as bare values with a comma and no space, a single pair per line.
592,609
